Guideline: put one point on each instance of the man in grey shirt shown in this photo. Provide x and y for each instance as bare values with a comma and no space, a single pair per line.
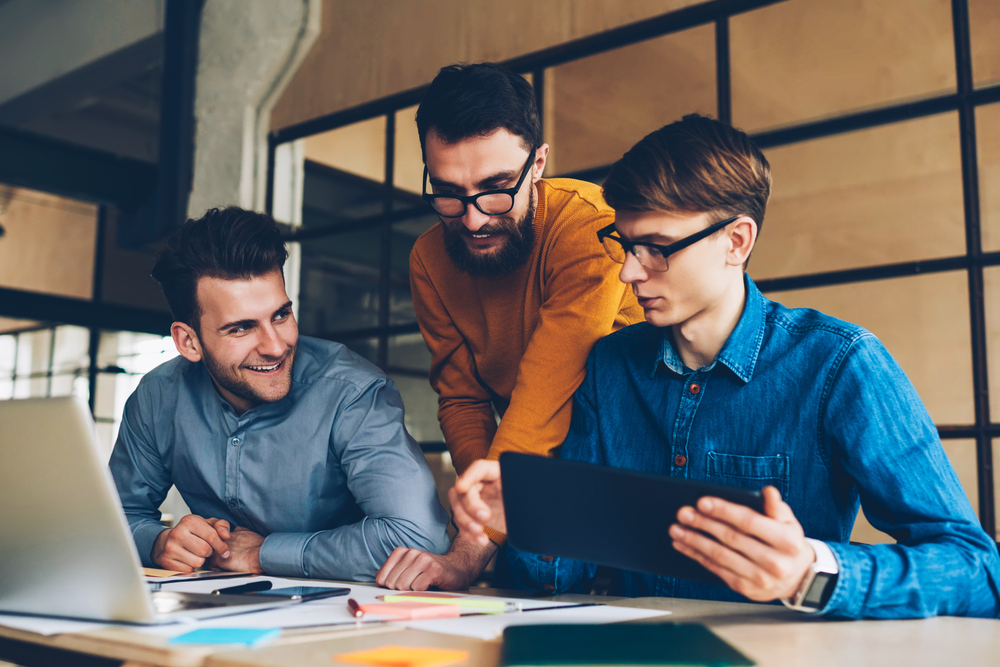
290,451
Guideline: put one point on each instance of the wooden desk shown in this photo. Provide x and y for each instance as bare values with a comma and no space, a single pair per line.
770,635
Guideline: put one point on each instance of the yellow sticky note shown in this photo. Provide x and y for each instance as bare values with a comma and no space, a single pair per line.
404,656
154,572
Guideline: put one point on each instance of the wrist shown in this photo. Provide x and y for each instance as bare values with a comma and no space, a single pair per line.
816,587
159,544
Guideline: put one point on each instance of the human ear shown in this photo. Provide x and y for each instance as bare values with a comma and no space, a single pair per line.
186,341
742,237
541,155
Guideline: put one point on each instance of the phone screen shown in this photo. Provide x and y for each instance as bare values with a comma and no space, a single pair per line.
306,592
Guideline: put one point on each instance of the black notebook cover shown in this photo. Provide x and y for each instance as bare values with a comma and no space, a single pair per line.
617,644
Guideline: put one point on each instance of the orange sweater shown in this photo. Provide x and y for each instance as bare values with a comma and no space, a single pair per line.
520,342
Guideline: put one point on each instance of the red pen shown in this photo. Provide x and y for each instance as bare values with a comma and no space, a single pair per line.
355,608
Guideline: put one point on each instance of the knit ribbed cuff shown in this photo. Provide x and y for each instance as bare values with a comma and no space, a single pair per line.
495,535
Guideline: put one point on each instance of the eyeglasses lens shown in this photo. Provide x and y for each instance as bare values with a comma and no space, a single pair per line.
650,257
493,204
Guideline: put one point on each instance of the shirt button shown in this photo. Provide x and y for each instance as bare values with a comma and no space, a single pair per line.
236,441
232,502
694,388
548,559
680,460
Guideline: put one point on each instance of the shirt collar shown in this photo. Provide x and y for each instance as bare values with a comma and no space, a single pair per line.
211,396
739,353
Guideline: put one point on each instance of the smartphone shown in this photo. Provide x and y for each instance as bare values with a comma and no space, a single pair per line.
305,593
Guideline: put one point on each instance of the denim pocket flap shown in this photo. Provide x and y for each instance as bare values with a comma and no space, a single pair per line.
750,471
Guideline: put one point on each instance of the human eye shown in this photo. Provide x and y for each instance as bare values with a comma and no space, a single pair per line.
282,315
653,251
239,329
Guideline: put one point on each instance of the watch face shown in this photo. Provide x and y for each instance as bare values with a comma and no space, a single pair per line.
819,593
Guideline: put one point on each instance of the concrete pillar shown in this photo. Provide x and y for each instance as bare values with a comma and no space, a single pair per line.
247,53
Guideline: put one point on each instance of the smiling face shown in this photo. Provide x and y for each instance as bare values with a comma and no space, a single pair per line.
700,278
246,337
477,243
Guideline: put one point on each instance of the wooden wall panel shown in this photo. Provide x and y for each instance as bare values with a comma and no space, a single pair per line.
984,26
49,244
808,59
604,104
878,196
369,50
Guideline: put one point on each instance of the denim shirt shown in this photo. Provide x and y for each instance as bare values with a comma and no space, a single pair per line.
328,475
814,406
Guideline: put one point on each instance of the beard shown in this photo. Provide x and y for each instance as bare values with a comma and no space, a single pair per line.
511,255
243,386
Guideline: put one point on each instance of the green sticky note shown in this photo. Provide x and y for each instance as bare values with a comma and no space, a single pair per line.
239,636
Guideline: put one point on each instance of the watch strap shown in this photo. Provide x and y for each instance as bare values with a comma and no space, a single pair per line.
818,584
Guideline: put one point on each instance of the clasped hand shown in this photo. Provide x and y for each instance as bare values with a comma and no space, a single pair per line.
477,500
196,540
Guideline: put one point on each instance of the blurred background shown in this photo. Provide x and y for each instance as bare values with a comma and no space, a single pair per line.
121,118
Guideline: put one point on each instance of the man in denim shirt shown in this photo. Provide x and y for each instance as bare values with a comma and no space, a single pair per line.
721,384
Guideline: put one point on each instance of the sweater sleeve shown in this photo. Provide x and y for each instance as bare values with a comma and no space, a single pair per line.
465,408
581,299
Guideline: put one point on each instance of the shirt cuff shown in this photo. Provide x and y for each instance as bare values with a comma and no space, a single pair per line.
284,554
144,535
824,556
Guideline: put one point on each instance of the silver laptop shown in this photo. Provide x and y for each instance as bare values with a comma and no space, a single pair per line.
65,545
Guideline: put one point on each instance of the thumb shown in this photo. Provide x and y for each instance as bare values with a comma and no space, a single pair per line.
774,506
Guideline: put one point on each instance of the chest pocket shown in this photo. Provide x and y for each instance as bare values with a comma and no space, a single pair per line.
752,472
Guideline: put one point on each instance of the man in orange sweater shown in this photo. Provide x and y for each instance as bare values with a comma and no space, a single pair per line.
510,290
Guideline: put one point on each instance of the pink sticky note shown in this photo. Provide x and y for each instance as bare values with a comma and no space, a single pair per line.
412,610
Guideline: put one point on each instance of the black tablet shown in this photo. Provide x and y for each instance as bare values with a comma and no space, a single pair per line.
602,515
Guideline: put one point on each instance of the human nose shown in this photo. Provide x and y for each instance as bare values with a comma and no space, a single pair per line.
270,343
632,270
474,219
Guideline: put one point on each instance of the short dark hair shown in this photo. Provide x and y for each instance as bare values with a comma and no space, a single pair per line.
475,101
694,165
229,243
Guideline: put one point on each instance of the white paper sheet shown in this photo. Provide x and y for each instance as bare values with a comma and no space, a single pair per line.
327,612
491,627
47,626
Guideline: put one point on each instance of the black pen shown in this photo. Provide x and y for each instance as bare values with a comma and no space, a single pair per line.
252,587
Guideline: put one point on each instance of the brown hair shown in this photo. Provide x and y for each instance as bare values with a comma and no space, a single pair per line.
229,243
694,165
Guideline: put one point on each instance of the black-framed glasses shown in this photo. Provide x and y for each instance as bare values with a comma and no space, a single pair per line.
650,255
491,202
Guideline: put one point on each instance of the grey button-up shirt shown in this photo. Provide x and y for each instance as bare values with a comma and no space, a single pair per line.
329,474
